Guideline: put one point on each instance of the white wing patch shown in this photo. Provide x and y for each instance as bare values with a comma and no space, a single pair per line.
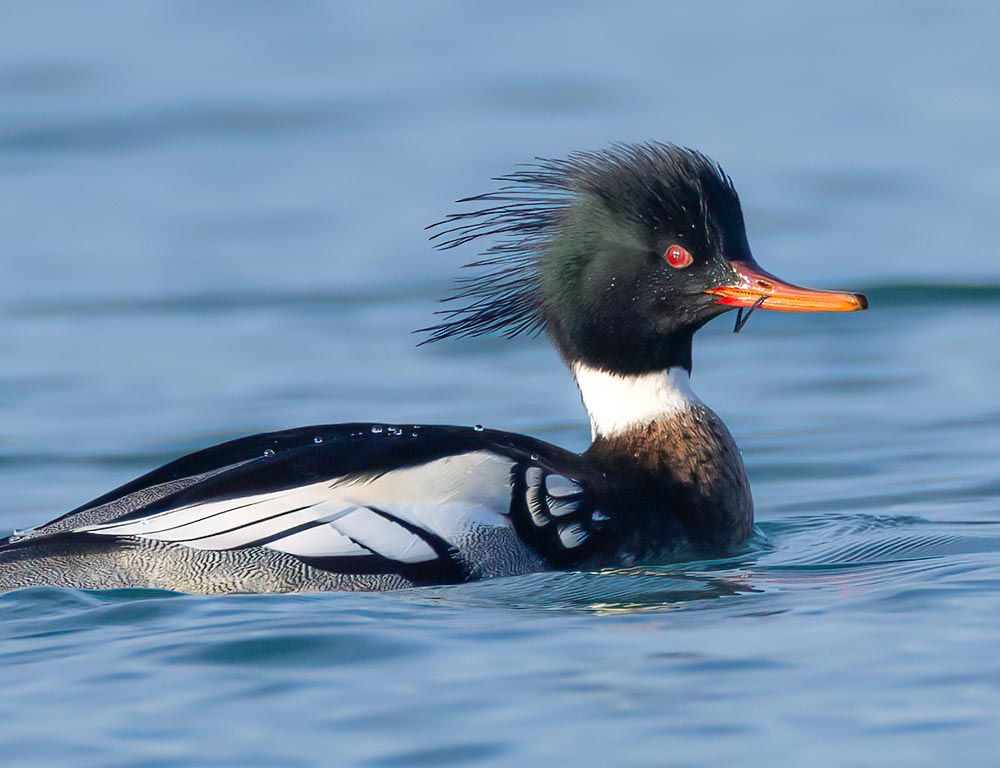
382,535
384,516
320,541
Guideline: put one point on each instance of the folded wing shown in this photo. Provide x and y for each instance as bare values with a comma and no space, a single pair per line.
346,499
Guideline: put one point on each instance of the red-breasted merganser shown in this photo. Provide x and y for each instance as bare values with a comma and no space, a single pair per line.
619,256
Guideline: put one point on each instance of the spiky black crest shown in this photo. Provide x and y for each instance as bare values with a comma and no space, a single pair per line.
654,185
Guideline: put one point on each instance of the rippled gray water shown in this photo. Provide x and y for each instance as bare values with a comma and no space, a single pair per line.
211,224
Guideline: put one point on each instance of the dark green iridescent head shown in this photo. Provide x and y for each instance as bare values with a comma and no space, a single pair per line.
584,252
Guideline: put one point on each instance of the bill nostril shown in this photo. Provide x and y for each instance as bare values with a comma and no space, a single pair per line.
764,285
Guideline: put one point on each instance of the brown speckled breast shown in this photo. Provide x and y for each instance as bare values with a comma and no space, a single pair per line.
680,484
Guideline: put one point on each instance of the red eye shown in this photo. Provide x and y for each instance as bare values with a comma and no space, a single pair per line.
678,257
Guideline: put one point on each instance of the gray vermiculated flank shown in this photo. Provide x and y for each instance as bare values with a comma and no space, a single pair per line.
137,563
140,563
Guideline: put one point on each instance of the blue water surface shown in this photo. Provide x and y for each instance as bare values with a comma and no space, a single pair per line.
211,224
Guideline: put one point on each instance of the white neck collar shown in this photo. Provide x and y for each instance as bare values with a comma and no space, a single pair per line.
616,403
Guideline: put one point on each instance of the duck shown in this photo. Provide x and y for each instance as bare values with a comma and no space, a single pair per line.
619,256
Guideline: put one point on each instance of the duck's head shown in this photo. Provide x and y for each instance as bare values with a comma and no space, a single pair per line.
620,256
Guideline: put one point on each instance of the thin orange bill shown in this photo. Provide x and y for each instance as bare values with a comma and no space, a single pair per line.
755,287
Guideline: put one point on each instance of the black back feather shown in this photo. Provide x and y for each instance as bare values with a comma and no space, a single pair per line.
653,184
